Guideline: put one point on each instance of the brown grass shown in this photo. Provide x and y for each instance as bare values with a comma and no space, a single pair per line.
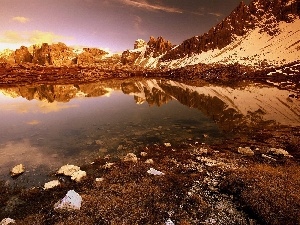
271,193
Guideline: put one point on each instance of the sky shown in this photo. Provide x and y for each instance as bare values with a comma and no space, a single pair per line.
107,24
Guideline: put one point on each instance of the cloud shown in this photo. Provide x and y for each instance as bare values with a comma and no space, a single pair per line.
137,24
32,37
143,4
21,19
215,14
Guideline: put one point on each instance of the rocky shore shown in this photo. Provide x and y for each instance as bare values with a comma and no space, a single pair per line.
251,178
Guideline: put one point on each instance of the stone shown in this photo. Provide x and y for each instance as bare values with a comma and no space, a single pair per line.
7,221
144,154
246,151
278,152
72,201
149,161
130,157
108,165
170,222
99,179
78,176
17,170
167,144
155,172
51,184
68,170
72,171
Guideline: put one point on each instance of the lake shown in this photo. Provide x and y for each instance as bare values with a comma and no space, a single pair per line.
47,126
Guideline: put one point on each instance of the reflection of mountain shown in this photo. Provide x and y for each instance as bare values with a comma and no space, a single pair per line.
245,105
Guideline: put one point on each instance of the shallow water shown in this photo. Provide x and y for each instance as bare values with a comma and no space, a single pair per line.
47,126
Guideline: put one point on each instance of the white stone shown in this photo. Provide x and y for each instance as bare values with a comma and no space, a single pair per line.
17,170
72,201
77,176
155,172
144,154
130,157
167,144
149,161
170,222
68,170
99,179
279,151
51,184
7,221
108,165
245,151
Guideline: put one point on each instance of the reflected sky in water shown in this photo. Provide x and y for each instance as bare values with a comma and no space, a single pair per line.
47,126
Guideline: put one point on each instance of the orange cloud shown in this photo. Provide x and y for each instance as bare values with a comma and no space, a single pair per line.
33,37
151,7
20,19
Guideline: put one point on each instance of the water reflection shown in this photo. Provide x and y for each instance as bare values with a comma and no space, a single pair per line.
45,126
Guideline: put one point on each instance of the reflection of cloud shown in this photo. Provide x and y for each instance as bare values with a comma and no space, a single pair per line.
46,107
32,37
143,4
33,122
21,19
36,107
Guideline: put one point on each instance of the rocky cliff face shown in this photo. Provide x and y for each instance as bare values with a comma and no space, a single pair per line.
260,13
153,48
7,56
90,56
22,55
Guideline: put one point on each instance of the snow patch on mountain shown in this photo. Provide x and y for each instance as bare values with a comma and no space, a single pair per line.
256,48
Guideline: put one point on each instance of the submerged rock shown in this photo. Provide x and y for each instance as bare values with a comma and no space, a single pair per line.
245,151
7,221
155,172
72,201
17,170
51,184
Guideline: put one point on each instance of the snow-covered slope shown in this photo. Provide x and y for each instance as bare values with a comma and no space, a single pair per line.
256,48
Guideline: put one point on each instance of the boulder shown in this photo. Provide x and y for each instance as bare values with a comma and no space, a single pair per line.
72,201
68,170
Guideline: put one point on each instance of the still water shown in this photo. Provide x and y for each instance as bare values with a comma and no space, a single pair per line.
47,126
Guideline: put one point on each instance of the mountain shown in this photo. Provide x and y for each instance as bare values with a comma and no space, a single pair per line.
261,34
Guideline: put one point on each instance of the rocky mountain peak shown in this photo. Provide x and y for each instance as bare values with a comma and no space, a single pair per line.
139,43
156,47
264,14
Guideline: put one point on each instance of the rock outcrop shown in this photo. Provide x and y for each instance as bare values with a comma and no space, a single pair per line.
90,56
153,48
7,56
22,55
